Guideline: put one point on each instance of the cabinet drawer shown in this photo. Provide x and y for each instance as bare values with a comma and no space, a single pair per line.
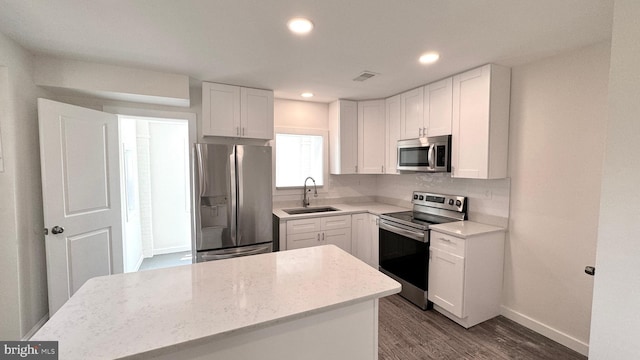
303,226
447,243
298,241
336,222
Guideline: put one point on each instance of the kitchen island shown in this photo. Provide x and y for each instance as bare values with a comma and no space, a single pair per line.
312,303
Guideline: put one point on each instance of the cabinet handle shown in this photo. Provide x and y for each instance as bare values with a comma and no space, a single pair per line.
443,239
419,132
356,168
382,169
424,131
242,131
237,130
322,236
377,221
318,236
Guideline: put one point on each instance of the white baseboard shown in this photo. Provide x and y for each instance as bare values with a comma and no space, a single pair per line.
35,328
546,330
169,250
138,263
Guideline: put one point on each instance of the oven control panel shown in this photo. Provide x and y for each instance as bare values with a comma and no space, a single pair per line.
447,202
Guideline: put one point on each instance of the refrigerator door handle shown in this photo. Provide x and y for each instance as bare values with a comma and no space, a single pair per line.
202,179
234,194
231,254
238,150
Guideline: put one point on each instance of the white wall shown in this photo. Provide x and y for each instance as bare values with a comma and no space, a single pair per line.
170,192
616,319
556,145
112,82
23,287
310,115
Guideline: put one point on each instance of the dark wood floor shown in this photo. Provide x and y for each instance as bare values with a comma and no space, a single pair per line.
406,333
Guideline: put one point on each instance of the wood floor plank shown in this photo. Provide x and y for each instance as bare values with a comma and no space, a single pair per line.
407,333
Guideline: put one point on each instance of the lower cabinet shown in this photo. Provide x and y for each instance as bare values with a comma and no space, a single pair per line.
446,280
465,276
364,235
334,230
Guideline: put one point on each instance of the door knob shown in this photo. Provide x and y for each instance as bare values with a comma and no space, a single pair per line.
591,270
57,230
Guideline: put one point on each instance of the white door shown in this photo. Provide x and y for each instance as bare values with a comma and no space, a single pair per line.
81,194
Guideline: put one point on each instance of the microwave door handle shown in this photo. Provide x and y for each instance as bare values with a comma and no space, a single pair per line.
432,161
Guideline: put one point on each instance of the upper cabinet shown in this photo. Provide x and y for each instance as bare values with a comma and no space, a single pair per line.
343,136
412,114
426,111
371,137
480,126
235,111
437,108
392,133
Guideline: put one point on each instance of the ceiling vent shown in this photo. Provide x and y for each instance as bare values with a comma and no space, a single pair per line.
366,75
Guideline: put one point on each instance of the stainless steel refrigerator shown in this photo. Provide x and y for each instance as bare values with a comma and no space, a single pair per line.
234,201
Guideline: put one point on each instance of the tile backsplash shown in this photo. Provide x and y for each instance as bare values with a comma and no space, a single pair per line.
488,199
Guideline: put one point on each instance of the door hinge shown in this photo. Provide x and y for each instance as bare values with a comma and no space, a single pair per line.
590,270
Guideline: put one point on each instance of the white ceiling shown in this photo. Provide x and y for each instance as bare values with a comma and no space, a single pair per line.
246,42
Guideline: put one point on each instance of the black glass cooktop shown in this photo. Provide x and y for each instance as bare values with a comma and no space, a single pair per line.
420,220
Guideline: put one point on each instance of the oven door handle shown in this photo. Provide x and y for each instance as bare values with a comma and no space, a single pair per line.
419,236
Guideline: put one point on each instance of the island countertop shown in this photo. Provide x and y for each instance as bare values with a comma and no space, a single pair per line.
150,312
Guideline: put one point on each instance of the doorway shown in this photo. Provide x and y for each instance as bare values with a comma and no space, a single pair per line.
156,192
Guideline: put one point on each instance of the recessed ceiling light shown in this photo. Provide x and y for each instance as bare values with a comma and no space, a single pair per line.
300,25
306,95
429,58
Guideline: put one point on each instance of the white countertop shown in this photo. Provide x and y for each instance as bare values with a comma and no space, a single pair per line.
343,209
465,229
151,311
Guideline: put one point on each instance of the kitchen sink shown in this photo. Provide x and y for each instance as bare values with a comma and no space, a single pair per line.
309,210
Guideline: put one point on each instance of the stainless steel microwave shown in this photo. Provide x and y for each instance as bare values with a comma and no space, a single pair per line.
431,154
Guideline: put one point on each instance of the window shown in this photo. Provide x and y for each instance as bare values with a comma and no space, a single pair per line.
300,153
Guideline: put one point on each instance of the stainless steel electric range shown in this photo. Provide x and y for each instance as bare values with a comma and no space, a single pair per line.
404,241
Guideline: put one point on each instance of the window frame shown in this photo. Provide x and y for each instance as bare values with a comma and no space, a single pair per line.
295,190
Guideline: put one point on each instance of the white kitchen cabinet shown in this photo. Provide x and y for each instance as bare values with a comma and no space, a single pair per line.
364,235
465,275
392,134
324,230
438,98
234,111
371,137
256,113
375,240
412,114
446,280
480,125
343,137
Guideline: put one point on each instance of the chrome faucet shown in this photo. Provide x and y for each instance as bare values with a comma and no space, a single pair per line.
305,198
